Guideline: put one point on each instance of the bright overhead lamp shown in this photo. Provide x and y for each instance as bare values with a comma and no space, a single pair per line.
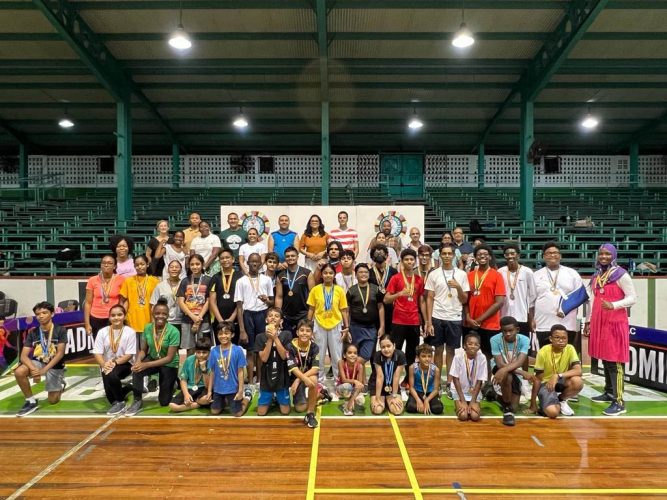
180,39
241,122
590,122
415,123
65,122
463,38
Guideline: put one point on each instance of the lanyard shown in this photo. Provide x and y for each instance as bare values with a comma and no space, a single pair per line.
328,297
426,380
158,339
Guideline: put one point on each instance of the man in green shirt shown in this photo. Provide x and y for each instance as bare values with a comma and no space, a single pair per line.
234,236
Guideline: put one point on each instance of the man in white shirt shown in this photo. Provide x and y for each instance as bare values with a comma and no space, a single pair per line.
447,290
520,286
552,283
347,236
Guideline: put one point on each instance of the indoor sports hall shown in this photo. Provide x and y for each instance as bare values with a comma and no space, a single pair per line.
332,249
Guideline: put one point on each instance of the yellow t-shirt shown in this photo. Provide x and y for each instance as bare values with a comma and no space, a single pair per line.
138,314
339,302
559,363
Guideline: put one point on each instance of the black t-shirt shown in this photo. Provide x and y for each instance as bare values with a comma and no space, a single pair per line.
378,359
355,303
156,266
373,279
388,308
274,375
34,341
304,361
225,306
295,307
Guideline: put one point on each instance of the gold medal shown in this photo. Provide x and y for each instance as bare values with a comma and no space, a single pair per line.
387,389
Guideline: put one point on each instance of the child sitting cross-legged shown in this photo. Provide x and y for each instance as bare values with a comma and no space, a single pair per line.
194,376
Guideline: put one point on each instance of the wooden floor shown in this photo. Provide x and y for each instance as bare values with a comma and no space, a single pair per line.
402,458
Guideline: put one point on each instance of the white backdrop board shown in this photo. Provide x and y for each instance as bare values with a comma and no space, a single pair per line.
364,218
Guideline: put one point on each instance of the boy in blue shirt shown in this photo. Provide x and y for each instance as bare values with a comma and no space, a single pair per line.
225,383
193,379
509,351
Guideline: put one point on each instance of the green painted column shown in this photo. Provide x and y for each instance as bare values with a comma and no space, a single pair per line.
23,170
634,165
326,154
124,161
175,166
480,166
526,168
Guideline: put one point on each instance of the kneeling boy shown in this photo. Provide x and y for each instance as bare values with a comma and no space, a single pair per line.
469,372
557,375
303,363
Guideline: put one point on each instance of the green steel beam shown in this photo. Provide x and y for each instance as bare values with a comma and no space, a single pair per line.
525,167
175,166
64,17
124,161
577,19
23,169
481,166
323,49
634,165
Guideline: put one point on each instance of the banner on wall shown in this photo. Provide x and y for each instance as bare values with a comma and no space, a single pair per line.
648,359
365,219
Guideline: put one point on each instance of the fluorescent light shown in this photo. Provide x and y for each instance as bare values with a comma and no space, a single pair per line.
463,37
66,122
415,123
241,122
590,122
180,39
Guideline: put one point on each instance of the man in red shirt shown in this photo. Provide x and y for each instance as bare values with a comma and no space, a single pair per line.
405,291
485,298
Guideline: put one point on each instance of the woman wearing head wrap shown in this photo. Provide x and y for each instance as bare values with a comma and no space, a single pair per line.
607,325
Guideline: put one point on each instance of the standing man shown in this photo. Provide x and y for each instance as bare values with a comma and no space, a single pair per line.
281,239
392,241
552,283
234,236
486,297
447,291
191,232
380,274
520,287
292,288
347,236
464,248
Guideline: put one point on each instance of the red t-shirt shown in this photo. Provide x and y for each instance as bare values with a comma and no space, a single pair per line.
492,286
406,312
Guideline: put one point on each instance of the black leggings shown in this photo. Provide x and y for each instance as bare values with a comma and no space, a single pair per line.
97,324
613,380
112,387
410,335
167,377
435,404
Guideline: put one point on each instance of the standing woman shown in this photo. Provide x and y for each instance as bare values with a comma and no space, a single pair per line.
172,250
136,295
122,247
208,246
102,292
155,263
193,300
167,290
114,351
253,246
313,242
607,325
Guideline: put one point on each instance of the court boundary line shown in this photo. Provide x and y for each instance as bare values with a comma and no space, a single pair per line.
69,453
314,452
412,477
494,491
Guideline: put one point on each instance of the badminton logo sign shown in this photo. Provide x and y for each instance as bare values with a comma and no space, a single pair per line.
399,224
256,220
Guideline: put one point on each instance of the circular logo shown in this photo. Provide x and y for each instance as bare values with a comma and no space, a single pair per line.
255,220
398,223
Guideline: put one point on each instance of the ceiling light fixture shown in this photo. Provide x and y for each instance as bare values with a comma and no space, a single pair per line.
241,122
415,123
65,122
590,122
180,39
463,38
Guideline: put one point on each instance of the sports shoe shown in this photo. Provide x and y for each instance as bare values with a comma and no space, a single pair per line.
247,393
310,420
360,401
152,385
448,393
404,395
602,398
614,409
27,408
573,399
117,408
565,409
324,393
347,412
508,419
330,373
133,409
365,389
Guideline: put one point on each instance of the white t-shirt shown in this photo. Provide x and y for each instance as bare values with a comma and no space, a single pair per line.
127,344
347,238
459,371
247,250
345,281
524,294
567,280
163,289
446,308
205,246
170,255
245,292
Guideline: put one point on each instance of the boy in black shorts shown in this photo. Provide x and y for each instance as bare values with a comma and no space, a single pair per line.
303,363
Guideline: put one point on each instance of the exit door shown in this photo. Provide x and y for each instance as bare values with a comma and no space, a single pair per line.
403,174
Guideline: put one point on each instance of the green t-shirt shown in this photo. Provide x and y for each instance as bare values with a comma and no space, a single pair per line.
234,239
187,372
172,337
559,363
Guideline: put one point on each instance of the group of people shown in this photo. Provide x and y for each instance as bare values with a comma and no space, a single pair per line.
216,317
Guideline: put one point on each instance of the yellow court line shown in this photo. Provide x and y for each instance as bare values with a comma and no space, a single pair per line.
312,471
495,491
364,491
406,458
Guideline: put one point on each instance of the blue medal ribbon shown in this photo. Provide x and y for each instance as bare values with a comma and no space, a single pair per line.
328,297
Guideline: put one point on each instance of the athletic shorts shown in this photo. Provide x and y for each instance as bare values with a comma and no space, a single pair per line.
54,377
365,338
254,323
179,398
221,401
516,383
282,396
445,333
188,338
550,398
299,397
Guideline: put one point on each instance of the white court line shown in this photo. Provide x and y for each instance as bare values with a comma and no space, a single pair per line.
60,460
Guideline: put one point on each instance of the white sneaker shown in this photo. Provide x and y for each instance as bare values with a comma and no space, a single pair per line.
404,395
565,409
335,397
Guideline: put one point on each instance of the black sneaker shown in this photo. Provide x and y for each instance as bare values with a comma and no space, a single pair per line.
310,420
615,409
602,398
152,385
508,419
325,397
330,372
448,393
27,408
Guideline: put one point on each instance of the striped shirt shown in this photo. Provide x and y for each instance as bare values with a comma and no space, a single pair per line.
347,237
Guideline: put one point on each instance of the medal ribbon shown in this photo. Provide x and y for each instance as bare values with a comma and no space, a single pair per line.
479,282
290,282
227,281
425,381
328,297
471,371
388,373
254,283
409,286
105,286
515,350
46,343
602,279
141,289
223,363
381,278
195,291
364,300
158,339
553,281
303,360
115,341
444,275
553,362
347,371
516,278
